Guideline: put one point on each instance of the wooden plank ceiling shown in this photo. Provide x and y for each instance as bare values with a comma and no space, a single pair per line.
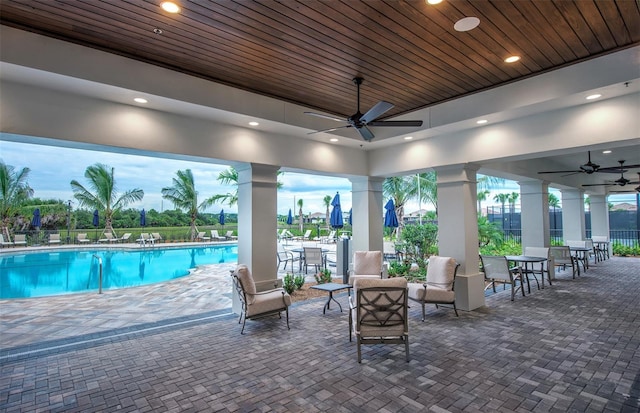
308,51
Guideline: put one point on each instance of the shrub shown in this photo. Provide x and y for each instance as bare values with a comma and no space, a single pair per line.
298,281
288,283
323,277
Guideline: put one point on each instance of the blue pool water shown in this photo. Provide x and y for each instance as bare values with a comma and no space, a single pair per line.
37,274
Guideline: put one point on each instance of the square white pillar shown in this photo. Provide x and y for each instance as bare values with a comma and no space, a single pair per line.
573,222
366,199
458,231
534,207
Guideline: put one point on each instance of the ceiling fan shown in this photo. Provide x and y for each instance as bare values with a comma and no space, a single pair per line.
361,122
622,181
591,167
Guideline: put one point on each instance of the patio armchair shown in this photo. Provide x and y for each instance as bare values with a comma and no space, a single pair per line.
255,304
313,256
378,313
496,271
438,287
562,257
366,264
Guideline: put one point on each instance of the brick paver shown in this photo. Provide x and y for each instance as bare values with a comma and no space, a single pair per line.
574,346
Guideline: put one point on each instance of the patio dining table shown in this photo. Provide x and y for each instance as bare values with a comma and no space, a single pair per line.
526,260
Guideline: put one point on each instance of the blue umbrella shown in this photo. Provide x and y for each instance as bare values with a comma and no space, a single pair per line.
335,220
289,218
390,218
143,218
351,217
221,217
96,218
36,218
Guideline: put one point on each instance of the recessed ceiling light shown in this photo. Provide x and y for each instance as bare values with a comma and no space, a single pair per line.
140,100
253,123
481,121
433,1
467,23
170,7
334,139
157,31
606,152
512,59
408,138
596,96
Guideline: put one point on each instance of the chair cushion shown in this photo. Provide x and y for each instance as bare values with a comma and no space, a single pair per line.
377,330
246,279
367,263
416,291
266,301
434,294
440,272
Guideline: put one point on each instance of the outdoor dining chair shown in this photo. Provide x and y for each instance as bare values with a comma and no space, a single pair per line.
313,256
496,271
562,257
378,313
438,287
255,304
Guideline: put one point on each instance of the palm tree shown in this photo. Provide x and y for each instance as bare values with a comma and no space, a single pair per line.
554,201
482,196
104,197
301,219
502,198
513,197
327,203
14,190
184,196
426,189
400,189
230,177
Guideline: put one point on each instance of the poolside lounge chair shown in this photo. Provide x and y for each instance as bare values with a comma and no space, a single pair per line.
125,237
304,237
4,243
229,235
108,237
329,238
54,239
202,237
156,237
144,238
20,239
216,237
82,238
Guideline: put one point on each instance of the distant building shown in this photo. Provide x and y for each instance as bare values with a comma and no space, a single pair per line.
624,206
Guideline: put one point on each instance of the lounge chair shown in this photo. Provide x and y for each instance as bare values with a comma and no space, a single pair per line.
229,235
4,243
82,238
216,237
54,239
304,237
108,237
329,238
20,239
144,238
125,237
156,237
202,237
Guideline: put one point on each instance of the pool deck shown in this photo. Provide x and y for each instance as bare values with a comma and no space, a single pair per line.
26,322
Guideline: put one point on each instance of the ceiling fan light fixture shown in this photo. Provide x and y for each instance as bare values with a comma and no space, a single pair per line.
512,59
466,23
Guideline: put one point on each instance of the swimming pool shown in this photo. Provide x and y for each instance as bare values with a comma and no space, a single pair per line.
38,274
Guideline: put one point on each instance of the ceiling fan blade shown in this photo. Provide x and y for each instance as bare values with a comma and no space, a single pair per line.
329,130
377,110
602,185
320,115
561,172
611,171
395,123
366,134
617,168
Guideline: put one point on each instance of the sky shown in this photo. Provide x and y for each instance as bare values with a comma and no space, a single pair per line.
53,168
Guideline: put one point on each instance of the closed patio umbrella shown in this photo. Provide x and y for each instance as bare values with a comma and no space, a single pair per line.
289,218
96,221
221,217
335,219
143,218
351,217
35,222
390,217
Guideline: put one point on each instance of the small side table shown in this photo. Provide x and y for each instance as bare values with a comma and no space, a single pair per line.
331,287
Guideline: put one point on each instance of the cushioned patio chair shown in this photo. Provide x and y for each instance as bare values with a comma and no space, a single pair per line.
378,313
255,304
366,264
439,285
496,271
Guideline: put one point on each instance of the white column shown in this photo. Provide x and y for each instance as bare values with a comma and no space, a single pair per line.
534,213
573,223
366,196
257,223
458,231
599,215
